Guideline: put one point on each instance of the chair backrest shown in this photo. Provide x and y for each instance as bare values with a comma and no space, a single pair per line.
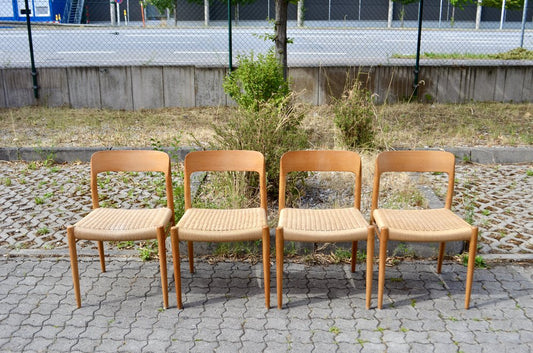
224,161
131,161
414,161
320,161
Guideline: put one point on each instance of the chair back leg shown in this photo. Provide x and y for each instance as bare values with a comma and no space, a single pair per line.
190,252
442,247
354,256
101,254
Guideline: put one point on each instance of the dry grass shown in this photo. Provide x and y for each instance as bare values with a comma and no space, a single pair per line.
400,125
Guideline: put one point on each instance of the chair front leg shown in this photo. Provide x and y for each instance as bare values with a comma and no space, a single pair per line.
266,264
383,239
279,265
177,266
74,264
161,235
471,264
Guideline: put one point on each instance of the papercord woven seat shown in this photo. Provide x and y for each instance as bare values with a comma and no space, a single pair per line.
222,225
430,225
322,225
109,224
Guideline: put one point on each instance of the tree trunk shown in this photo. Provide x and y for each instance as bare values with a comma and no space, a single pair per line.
280,27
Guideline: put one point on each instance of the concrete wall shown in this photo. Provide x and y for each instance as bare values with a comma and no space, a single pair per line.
145,87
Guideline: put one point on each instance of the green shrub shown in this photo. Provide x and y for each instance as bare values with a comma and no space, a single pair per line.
355,116
268,119
272,130
257,80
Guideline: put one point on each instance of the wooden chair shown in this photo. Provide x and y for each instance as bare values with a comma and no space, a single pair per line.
428,225
222,225
116,224
323,225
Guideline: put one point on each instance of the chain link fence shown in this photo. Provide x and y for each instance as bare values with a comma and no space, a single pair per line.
322,32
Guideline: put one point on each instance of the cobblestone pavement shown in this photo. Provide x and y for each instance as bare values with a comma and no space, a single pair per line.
36,202
224,302
224,309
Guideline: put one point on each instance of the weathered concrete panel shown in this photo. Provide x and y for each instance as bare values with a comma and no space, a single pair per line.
450,88
499,88
208,87
53,87
514,82
116,88
333,81
18,87
84,87
147,87
3,103
304,81
527,91
178,86
428,83
482,85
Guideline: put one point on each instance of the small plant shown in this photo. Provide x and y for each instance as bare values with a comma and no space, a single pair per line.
529,172
6,181
335,330
39,200
127,244
362,341
148,250
341,255
479,262
403,250
413,302
354,116
43,231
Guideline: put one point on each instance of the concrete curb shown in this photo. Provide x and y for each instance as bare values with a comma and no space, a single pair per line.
481,155
69,154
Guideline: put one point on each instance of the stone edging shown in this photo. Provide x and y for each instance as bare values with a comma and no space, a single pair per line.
482,155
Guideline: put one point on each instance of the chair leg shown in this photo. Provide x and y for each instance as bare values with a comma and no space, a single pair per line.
101,254
177,266
383,239
354,255
266,265
163,264
442,247
471,262
279,266
369,265
74,264
190,252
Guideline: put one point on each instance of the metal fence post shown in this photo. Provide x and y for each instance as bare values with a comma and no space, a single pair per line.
32,59
417,64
